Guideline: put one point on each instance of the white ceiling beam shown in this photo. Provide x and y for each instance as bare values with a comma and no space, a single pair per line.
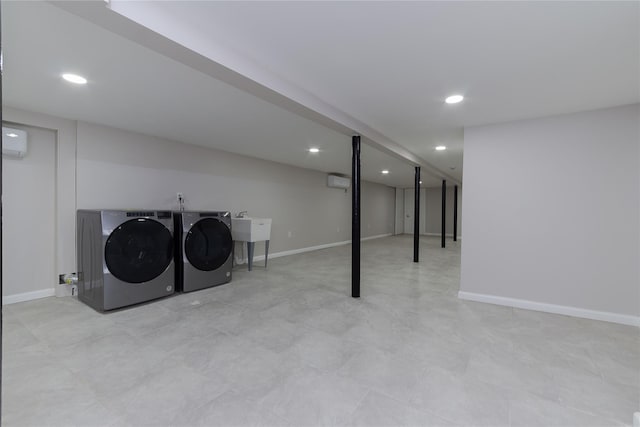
150,27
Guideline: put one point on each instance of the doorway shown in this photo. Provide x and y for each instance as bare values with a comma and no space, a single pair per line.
409,199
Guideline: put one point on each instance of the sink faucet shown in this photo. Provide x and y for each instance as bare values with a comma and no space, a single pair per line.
241,214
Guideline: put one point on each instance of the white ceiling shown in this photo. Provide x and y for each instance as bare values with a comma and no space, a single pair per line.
391,64
134,88
386,64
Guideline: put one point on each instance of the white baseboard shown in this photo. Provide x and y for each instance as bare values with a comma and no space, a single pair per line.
439,234
28,296
312,248
378,236
606,316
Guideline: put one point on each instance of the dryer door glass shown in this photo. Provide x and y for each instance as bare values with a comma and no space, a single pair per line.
208,244
139,250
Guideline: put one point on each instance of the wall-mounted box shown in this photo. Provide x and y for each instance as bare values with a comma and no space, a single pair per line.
14,142
336,181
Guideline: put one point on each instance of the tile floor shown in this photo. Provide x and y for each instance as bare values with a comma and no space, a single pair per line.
287,346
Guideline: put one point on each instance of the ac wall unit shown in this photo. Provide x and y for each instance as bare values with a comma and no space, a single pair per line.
336,181
14,142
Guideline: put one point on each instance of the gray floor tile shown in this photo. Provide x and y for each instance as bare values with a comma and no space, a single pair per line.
230,410
308,397
288,346
533,411
382,411
460,399
15,335
163,397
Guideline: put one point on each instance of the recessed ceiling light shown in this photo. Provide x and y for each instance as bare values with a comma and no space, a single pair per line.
454,99
74,78
441,148
12,135
420,182
385,172
314,150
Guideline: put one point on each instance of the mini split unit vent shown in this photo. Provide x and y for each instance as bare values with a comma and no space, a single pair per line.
337,181
14,142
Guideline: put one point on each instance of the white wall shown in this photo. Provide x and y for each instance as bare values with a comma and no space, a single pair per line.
101,167
28,219
551,214
65,184
123,170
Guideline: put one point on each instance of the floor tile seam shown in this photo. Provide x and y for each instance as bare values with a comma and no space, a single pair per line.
325,371
107,399
416,407
217,396
243,339
92,340
281,380
54,346
248,307
595,415
616,383
309,328
264,347
223,302
250,402
364,383
616,364
514,359
508,391
52,359
102,399
366,393
32,328
557,378
26,391
148,338
153,369
38,349
636,388
13,317
529,394
233,335
26,349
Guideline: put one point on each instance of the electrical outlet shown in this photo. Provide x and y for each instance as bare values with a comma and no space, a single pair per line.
289,234
180,197
338,230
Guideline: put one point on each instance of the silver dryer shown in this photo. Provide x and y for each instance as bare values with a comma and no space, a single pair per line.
203,249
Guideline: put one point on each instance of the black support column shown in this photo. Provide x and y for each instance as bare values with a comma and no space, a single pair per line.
416,217
444,209
355,217
455,213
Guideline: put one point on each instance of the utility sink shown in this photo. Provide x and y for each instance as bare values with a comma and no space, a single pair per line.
251,229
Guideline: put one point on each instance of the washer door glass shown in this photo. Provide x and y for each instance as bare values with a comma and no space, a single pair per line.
208,244
139,250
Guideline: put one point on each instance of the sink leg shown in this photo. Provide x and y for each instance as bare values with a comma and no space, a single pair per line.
266,252
250,246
